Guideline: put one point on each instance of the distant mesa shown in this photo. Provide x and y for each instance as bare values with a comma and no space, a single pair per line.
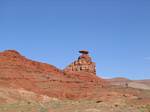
82,64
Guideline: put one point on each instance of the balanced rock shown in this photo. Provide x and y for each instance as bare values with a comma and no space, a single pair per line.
82,64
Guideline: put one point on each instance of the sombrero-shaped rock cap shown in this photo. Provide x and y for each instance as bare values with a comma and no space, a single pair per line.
84,51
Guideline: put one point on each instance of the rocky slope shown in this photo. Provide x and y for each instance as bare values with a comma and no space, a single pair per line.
19,72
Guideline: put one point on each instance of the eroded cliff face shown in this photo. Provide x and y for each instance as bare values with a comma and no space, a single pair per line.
83,64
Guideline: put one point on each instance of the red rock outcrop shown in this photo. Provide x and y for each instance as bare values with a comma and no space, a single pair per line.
19,72
83,64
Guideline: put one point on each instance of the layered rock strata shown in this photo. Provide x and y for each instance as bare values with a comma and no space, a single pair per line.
16,71
82,64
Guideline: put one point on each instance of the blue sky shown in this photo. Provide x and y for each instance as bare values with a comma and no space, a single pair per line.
116,32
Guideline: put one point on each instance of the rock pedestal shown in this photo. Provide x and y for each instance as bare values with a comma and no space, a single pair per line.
82,64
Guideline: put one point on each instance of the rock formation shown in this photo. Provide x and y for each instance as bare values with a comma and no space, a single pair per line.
82,64
17,71
33,83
